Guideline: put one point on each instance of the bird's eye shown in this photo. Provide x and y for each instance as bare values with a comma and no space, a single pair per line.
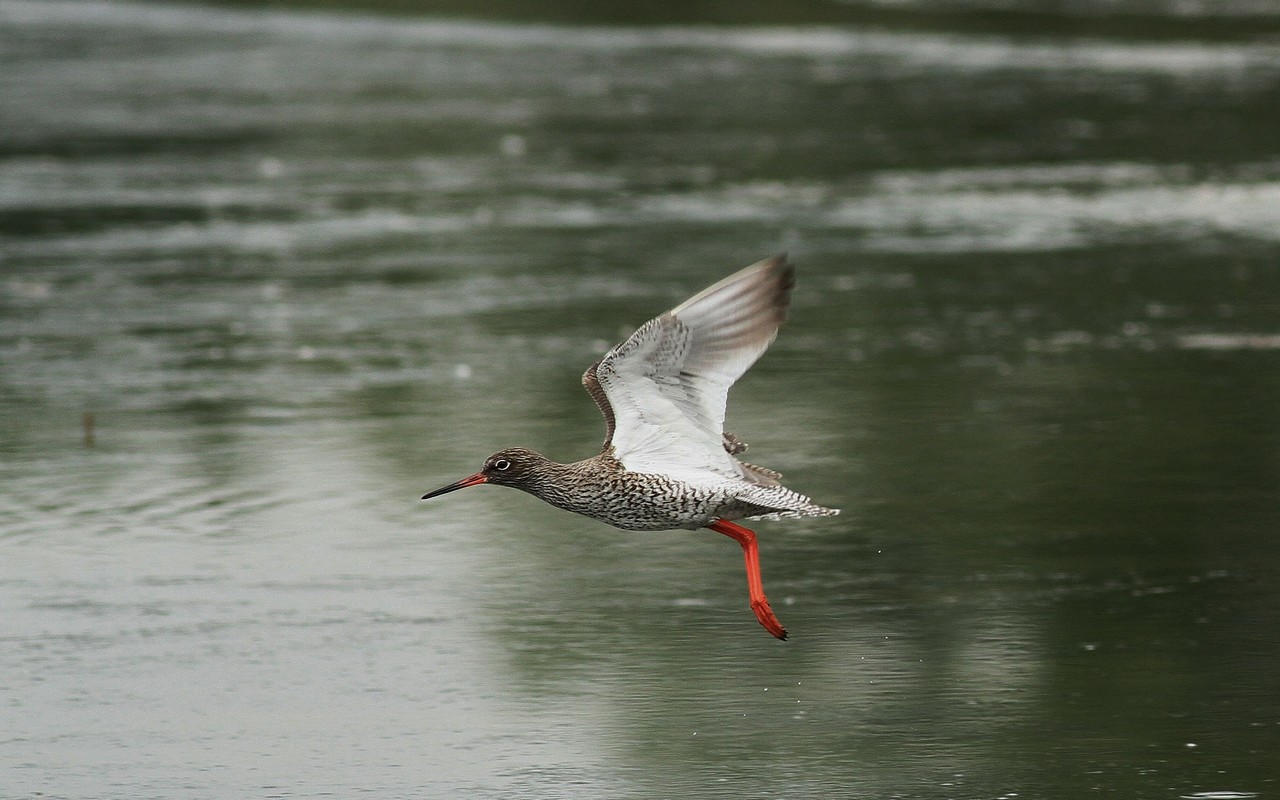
502,465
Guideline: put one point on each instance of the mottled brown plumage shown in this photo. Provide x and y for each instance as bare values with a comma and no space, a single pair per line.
666,461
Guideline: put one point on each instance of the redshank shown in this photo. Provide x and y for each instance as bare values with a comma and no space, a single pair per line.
667,461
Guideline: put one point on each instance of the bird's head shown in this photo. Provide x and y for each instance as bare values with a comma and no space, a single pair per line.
514,466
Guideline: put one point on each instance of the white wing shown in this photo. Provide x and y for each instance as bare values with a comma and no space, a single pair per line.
668,383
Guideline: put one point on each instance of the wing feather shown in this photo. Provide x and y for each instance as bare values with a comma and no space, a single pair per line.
665,388
592,384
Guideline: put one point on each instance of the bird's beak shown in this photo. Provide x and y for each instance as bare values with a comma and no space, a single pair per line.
478,478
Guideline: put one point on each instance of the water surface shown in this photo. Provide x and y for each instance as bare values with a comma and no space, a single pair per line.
298,268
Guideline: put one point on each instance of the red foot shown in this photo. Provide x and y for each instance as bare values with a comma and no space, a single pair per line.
767,619
755,586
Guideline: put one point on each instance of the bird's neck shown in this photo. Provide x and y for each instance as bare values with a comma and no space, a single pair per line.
562,485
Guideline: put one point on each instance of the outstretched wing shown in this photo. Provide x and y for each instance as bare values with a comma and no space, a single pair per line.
663,390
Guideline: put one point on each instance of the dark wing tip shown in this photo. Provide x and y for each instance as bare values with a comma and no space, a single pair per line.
771,280
786,275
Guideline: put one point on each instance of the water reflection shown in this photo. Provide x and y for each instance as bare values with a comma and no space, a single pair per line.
302,268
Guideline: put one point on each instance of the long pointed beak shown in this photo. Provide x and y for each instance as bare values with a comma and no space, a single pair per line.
474,480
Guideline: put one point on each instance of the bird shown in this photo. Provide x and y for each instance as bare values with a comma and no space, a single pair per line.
667,463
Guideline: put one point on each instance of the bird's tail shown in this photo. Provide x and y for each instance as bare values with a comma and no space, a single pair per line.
779,502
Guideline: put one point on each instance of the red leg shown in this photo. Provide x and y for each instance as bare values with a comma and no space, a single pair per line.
755,586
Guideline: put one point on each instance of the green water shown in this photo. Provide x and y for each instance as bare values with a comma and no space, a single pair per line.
300,266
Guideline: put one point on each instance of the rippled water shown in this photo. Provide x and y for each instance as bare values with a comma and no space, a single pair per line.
265,277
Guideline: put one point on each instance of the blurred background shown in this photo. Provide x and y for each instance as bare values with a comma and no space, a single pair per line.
270,271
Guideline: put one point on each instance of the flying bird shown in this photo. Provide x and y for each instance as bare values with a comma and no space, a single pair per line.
667,462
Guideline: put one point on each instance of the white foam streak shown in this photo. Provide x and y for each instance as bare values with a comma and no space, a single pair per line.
955,52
